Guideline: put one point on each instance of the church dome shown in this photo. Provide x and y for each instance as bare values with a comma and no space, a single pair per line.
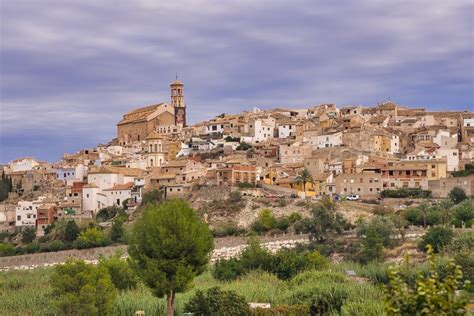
176,83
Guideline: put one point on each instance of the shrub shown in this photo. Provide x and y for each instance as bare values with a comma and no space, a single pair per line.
431,294
91,237
380,225
227,270
405,193
217,302
294,217
372,246
71,231
110,212
32,247
245,185
54,245
122,275
287,263
457,195
82,289
228,230
117,232
6,249
463,213
153,196
282,223
255,256
28,235
265,221
437,237
235,197
243,146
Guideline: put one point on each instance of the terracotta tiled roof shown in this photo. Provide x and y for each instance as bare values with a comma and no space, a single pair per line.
117,187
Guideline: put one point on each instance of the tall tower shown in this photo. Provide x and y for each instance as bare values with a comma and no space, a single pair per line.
177,101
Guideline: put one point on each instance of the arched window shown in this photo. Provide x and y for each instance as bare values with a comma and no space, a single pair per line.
156,147
151,162
151,148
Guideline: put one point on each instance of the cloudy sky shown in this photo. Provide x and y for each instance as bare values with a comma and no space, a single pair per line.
70,69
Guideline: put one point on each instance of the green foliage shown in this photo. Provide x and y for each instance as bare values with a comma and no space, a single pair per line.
28,235
265,221
431,294
235,197
169,246
245,185
406,193
463,213
438,237
372,246
226,270
244,146
217,302
457,195
117,232
82,289
110,212
71,231
6,249
304,177
153,196
91,237
324,219
122,275
6,186
285,264
468,170
294,217
380,225
330,293
228,230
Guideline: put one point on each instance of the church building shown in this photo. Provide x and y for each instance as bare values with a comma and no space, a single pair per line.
137,124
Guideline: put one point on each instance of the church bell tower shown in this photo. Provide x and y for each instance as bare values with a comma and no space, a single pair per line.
177,101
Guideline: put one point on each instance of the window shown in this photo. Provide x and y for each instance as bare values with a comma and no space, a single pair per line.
87,195
18,218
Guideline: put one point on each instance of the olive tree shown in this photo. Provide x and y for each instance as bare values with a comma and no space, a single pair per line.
169,246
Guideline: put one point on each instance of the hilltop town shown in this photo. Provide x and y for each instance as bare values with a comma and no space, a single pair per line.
349,152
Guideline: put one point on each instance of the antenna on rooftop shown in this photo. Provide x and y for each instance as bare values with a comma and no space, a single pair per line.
176,76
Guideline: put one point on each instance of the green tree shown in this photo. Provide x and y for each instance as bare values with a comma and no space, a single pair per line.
303,178
91,237
153,196
82,289
372,246
122,275
431,294
28,235
324,219
217,302
437,237
265,221
383,227
169,246
457,195
71,231
445,206
117,231
463,213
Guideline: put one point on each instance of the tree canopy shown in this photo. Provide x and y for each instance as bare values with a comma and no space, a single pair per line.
169,246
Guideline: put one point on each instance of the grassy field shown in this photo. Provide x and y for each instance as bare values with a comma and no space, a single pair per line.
28,292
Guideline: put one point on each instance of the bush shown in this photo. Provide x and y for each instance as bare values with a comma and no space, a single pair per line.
55,245
381,225
153,196
228,230
245,185
6,249
243,146
122,276
28,235
110,212
463,213
430,294
71,231
91,237
457,195
406,193
282,223
117,232
81,289
265,221
227,270
217,302
294,217
438,237
32,247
